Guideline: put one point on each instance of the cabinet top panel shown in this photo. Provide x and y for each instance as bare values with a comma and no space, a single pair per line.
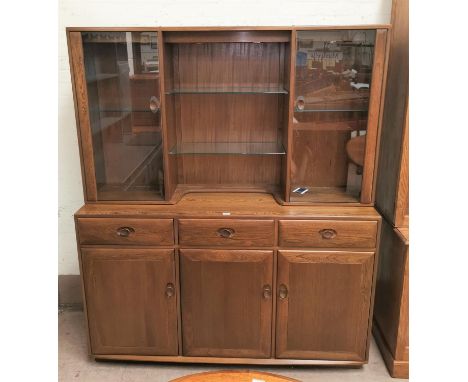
227,28
227,205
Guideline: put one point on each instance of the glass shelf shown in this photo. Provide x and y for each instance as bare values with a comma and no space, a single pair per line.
330,110
234,148
127,110
230,90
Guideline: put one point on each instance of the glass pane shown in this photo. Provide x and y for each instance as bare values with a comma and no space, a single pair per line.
333,78
122,74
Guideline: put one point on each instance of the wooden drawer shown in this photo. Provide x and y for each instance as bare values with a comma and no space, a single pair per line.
227,232
126,231
327,233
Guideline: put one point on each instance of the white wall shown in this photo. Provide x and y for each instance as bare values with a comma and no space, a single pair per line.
172,13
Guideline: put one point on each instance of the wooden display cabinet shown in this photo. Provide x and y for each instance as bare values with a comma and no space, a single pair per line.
229,184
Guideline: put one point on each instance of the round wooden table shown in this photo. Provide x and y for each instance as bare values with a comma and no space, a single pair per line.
234,376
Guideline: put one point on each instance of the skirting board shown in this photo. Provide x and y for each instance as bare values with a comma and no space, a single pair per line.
397,369
69,292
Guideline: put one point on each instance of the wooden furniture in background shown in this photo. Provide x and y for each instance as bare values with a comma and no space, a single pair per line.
229,184
392,201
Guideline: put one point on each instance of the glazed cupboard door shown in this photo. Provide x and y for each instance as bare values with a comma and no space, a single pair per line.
131,301
338,81
226,302
323,302
116,79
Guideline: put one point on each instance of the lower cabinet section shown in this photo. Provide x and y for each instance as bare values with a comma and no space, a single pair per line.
131,300
323,304
234,293
226,302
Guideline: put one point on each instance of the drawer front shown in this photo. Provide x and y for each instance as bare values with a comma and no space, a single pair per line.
126,231
227,232
327,233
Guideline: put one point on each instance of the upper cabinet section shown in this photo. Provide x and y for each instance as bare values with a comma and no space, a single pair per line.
121,77
332,101
288,111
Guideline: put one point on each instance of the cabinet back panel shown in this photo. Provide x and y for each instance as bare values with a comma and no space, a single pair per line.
240,170
230,64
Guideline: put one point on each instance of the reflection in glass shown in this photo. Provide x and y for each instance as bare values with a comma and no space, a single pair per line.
122,75
333,80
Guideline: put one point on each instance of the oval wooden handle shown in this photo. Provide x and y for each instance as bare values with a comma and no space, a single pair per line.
226,232
283,291
328,233
266,291
125,231
170,290
154,104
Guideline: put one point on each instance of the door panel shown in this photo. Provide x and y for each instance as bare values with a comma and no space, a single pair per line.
323,304
226,302
131,301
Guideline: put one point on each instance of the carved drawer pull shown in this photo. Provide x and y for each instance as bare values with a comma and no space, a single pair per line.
328,233
266,292
226,232
283,291
170,290
125,231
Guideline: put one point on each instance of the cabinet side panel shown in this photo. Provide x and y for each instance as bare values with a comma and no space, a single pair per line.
378,74
83,122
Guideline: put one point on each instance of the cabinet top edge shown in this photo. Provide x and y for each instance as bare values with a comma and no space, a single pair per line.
227,28
226,206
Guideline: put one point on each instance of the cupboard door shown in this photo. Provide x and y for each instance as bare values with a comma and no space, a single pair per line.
131,301
323,302
338,80
116,75
226,302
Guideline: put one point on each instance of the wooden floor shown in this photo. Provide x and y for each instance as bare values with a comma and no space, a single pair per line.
74,364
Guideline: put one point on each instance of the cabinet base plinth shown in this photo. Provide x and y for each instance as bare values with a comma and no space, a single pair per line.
232,361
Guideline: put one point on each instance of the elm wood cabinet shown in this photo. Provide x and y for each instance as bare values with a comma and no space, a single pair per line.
212,160
218,292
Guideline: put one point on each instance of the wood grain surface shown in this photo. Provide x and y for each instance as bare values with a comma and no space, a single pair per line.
310,233
142,231
209,232
225,312
128,309
325,312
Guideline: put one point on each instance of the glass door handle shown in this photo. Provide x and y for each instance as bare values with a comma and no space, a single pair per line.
154,104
